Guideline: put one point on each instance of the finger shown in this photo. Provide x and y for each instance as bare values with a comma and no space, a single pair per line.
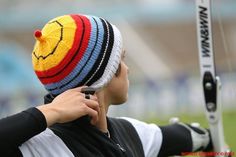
93,114
93,97
92,104
78,88
93,121
77,92
73,91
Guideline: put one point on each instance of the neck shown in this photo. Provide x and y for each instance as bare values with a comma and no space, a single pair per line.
101,124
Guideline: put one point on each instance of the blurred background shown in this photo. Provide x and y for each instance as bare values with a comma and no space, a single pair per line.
161,45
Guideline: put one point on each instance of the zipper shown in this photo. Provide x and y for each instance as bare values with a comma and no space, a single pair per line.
121,148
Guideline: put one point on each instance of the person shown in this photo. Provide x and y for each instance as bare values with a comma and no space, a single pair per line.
73,53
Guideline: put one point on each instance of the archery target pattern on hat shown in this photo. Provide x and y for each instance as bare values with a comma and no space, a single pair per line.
75,50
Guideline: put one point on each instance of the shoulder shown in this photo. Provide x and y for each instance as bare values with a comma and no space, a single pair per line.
45,144
149,134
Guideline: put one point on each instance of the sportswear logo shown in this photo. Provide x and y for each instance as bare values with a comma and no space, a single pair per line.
204,26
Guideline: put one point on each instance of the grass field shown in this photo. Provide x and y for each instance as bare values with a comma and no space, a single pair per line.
229,122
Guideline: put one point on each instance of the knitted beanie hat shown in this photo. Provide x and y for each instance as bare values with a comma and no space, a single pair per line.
76,50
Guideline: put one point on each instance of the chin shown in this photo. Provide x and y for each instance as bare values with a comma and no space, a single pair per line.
120,101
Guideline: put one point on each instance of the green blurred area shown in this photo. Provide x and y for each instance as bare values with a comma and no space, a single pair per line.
229,123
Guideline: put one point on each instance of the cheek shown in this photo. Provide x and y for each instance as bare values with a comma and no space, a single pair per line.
124,77
119,86
125,85
126,80
119,92
123,89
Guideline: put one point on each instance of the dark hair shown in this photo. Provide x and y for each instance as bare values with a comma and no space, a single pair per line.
118,70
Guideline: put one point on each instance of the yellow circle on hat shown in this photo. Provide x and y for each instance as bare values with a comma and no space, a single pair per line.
56,40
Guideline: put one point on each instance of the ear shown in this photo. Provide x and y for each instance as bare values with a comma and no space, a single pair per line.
118,70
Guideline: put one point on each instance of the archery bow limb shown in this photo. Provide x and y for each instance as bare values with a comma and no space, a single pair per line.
211,83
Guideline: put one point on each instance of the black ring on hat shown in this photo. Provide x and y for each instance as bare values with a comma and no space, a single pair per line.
87,96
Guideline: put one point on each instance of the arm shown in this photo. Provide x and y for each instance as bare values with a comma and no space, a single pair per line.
170,140
68,106
18,128
180,139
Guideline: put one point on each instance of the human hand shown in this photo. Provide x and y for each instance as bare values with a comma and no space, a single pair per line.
69,106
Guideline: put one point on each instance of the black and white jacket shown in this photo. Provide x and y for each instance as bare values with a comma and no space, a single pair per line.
25,134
